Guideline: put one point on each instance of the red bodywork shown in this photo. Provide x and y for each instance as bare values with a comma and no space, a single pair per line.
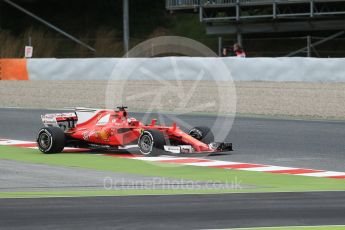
113,128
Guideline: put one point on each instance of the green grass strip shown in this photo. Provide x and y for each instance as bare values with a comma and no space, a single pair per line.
50,194
330,227
263,182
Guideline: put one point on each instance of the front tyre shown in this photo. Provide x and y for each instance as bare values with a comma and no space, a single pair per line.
203,134
51,140
151,143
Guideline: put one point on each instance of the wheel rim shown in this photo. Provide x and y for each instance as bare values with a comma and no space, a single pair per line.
44,141
197,134
146,144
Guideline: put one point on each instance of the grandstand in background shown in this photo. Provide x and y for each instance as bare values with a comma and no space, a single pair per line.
250,18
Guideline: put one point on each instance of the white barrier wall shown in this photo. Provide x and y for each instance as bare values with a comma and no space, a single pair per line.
187,68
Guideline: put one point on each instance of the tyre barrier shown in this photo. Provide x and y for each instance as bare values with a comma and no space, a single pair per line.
13,69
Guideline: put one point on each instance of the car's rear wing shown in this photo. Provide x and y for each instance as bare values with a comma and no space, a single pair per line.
65,121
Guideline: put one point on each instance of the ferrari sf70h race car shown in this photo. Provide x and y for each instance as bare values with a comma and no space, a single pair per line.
113,130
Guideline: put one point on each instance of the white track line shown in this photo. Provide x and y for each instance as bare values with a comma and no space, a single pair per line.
65,149
212,163
162,158
15,142
323,174
269,168
203,163
300,227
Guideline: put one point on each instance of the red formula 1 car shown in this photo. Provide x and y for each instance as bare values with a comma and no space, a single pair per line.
112,130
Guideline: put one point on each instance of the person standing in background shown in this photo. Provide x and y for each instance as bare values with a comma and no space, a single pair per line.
238,50
227,51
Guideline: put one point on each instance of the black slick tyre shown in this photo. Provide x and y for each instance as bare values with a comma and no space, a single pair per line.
203,134
51,140
151,143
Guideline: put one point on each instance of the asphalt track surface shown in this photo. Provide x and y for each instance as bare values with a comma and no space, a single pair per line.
23,177
174,212
292,143
314,144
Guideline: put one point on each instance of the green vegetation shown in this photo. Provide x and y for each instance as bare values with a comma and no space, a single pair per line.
261,182
335,227
188,25
45,194
98,24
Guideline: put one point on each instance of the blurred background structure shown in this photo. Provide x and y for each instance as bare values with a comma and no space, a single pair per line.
266,28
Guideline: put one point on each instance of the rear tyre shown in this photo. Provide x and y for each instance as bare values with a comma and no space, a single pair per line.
151,143
203,134
51,140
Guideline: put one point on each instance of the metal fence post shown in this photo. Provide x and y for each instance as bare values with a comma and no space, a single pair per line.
237,10
274,10
220,46
201,13
311,8
125,26
308,46
239,38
